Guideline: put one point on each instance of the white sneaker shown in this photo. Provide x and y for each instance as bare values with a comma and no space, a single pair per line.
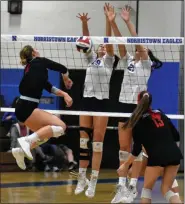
131,195
25,147
120,192
18,154
90,192
82,183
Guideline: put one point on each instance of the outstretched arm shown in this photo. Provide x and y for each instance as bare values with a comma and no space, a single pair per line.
84,19
52,89
111,15
126,17
50,64
109,47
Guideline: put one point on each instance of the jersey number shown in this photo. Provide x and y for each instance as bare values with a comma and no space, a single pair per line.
97,62
158,122
131,68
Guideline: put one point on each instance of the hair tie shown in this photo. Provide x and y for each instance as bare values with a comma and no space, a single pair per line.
146,94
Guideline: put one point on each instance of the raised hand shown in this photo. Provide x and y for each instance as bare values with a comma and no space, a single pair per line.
109,12
125,14
83,17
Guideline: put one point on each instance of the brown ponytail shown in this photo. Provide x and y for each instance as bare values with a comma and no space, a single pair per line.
143,105
26,54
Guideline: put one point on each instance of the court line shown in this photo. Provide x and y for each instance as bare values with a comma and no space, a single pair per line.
62,183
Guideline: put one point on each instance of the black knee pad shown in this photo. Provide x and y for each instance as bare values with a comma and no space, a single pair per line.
86,144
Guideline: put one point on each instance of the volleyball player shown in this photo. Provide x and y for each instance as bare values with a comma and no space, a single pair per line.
136,76
95,97
34,81
154,131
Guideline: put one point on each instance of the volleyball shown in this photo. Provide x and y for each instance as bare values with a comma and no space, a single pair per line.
84,44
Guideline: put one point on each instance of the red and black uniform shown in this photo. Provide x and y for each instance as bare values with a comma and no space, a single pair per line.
158,136
34,81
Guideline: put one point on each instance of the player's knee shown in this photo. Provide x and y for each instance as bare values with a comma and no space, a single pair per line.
168,195
139,157
98,147
146,193
58,131
84,149
98,135
123,155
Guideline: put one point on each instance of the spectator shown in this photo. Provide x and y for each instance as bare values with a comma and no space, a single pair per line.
9,118
63,158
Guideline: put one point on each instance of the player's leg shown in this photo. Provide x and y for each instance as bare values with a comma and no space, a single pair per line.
125,139
132,193
175,186
44,125
85,140
99,125
169,174
150,177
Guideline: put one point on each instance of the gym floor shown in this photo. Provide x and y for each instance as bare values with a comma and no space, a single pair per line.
52,187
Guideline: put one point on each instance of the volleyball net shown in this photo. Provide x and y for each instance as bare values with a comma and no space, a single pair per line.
165,84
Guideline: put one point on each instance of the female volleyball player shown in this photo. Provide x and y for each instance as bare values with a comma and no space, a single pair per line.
95,97
35,80
155,132
136,76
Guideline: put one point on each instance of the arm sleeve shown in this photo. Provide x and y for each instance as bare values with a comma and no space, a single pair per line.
137,146
109,60
146,63
14,135
90,57
127,59
48,87
173,129
55,66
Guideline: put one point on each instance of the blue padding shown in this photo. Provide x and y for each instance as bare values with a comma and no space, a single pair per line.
10,79
163,85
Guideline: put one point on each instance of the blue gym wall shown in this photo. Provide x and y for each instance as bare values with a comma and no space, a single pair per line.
163,85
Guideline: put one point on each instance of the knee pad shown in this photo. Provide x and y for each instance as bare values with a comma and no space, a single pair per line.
168,195
146,193
139,157
57,131
175,184
145,155
123,155
97,146
84,149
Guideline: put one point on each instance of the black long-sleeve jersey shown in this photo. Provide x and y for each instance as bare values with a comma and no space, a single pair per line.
35,78
158,136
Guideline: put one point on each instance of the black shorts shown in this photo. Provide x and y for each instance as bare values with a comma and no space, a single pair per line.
165,164
125,108
93,104
24,109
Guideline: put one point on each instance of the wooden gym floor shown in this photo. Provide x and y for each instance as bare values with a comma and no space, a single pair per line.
42,187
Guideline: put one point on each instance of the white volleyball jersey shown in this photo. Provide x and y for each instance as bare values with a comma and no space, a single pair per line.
136,76
98,76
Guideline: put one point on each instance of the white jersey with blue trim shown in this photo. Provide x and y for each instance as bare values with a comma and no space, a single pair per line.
98,76
136,76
